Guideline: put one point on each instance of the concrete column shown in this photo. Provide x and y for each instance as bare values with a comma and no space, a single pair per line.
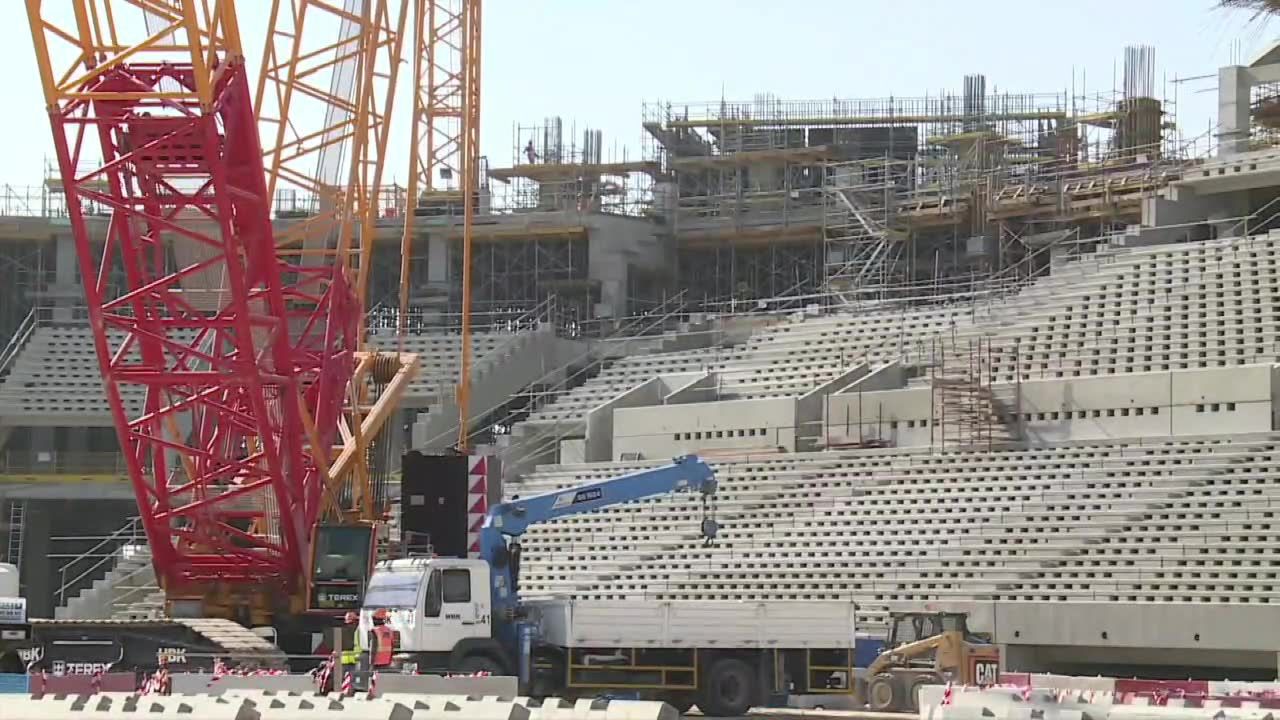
1233,110
66,285
438,260
1226,218
43,440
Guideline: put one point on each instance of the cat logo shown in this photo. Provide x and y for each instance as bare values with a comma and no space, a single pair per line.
986,673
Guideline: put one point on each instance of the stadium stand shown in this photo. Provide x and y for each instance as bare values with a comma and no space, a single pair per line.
1138,387
55,378
888,525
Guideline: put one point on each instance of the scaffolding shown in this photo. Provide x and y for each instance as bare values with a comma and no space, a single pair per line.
555,170
863,250
904,192
967,411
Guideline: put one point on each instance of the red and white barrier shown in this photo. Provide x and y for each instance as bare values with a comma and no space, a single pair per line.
1132,691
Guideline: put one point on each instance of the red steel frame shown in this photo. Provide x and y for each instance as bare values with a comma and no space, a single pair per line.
244,353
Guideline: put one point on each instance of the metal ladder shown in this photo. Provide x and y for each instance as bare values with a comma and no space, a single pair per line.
17,518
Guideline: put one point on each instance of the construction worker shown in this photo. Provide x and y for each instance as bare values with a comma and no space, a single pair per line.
382,640
350,640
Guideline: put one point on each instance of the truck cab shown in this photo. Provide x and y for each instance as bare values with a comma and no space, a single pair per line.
441,610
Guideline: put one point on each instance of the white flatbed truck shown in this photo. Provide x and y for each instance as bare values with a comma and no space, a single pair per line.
465,615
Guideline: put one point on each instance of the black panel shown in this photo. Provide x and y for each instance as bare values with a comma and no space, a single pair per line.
433,503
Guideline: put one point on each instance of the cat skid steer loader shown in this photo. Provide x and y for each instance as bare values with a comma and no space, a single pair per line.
928,648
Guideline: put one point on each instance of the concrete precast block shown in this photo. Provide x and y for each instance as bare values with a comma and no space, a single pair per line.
599,709
951,712
118,705
289,707
455,707
196,683
499,685
1164,712
640,710
483,709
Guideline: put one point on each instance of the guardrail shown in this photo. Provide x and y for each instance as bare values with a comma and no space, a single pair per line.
62,462
98,559
17,342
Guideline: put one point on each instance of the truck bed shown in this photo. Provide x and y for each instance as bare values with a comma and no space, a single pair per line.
695,624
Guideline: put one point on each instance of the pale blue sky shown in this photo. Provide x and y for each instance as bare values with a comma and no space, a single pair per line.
593,62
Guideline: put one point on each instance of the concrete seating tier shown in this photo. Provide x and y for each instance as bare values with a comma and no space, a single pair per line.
1120,310
440,354
56,375
1194,305
622,375
891,525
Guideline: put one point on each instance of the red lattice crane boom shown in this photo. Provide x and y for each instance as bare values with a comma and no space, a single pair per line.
226,364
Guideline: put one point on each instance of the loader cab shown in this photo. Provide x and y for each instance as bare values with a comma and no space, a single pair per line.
909,627
433,603
954,651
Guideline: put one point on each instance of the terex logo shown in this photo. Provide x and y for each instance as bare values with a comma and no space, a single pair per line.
61,667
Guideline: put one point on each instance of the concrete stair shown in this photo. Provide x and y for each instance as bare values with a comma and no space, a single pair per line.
494,379
127,590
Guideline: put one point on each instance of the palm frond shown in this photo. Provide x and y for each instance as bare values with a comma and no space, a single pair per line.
1260,8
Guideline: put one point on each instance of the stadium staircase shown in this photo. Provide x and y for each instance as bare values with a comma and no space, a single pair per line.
496,377
115,580
20,339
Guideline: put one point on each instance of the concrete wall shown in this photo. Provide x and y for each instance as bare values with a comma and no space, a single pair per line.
656,432
811,408
1104,636
600,444
1182,402
617,244
495,378
1045,635
899,417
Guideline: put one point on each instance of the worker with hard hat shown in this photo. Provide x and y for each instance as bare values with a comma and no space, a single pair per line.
382,640
351,645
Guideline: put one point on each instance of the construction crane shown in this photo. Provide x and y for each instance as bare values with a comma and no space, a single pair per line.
445,145
324,100
231,357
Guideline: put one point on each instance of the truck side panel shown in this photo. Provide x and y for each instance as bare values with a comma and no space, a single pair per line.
666,670
707,624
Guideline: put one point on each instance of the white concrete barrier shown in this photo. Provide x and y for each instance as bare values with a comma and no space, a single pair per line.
257,704
198,683
1077,704
561,709
117,705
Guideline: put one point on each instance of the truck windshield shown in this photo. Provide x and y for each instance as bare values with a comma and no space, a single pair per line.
393,590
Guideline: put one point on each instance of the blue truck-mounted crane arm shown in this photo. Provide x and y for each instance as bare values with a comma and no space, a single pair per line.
506,522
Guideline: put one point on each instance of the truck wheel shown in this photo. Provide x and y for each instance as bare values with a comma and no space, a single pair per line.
473,664
913,689
885,693
727,690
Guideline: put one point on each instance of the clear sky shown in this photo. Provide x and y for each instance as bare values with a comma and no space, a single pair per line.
593,62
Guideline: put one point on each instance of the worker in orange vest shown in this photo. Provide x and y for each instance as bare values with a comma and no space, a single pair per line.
382,640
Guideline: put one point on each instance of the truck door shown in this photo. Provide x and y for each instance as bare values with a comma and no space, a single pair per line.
452,609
